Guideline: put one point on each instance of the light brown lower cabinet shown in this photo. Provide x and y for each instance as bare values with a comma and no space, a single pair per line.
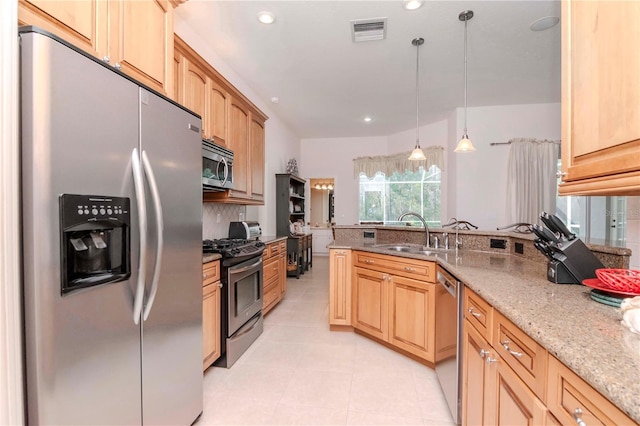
390,304
340,287
210,313
509,379
274,275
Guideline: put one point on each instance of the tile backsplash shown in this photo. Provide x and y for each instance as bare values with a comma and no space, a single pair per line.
225,213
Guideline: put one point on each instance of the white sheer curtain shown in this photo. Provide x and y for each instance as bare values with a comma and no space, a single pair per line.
531,179
388,164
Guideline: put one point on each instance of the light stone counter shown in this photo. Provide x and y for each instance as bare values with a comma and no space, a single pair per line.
585,335
210,257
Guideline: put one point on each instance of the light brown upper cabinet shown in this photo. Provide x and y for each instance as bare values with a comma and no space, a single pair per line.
135,36
228,118
600,98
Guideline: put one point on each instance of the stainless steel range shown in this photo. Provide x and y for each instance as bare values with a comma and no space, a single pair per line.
241,299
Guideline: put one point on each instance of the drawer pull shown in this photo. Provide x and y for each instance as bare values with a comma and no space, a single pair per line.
490,360
406,268
368,261
505,345
475,314
483,353
576,416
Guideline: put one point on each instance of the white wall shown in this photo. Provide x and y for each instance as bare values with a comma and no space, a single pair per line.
281,142
333,158
474,184
481,176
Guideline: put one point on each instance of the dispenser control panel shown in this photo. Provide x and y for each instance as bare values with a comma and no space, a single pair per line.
81,208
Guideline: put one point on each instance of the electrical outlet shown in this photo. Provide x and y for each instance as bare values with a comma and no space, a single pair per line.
495,243
241,217
218,217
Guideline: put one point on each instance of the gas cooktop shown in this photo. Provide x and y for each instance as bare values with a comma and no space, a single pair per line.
233,247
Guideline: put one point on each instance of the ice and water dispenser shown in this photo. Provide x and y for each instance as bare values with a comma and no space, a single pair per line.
95,240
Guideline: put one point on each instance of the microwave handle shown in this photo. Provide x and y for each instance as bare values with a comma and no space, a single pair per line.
226,170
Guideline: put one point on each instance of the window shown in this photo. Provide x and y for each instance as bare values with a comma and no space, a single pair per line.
597,219
384,199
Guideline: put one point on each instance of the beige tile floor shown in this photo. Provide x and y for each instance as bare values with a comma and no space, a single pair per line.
300,373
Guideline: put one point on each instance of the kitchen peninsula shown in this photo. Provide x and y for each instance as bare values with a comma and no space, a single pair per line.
583,335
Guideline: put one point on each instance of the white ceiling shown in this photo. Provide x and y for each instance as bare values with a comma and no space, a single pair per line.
327,84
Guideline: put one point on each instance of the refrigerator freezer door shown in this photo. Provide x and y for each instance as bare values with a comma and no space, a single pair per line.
79,127
172,333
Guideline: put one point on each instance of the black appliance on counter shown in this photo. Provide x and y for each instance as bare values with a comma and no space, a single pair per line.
241,298
570,261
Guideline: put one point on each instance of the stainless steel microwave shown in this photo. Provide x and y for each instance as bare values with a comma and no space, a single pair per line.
217,168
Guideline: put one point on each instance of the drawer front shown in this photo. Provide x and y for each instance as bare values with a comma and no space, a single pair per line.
210,272
270,269
479,313
570,398
282,246
274,249
417,269
527,358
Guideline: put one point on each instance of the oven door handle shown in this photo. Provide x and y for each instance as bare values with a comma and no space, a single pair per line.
246,268
247,328
155,194
142,224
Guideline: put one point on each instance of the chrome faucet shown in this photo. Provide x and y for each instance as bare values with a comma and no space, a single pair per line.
424,223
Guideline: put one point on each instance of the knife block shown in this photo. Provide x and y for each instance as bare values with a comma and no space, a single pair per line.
574,263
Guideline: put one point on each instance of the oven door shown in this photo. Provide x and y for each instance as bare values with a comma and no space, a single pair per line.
244,295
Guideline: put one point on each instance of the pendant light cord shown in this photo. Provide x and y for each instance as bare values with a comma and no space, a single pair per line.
465,76
417,93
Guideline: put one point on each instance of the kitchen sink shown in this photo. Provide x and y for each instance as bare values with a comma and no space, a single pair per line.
412,248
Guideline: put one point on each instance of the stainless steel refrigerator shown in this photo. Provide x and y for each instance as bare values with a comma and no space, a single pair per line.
112,230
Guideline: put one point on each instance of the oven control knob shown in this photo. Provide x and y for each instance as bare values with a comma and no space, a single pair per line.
94,212
102,211
109,211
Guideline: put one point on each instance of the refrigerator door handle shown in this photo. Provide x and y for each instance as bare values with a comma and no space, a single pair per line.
142,223
148,170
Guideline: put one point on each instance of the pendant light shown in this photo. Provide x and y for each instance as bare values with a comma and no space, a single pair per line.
417,153
465,144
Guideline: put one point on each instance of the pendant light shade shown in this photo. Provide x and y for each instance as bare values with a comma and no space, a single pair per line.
465,144
417,153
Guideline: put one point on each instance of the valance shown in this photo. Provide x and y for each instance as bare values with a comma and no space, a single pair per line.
388,164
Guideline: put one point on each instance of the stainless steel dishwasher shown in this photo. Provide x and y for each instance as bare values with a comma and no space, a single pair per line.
449,303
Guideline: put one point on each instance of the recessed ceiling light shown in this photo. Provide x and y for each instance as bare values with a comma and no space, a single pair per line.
367,119
275,100
413,4
544,23
266,17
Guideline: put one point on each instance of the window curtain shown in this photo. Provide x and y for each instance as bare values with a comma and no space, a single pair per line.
531,179
388,164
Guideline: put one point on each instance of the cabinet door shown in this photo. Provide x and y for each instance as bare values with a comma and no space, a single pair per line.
282,271
239,144
179,72
509,400
474,376
82,23
601,97
217,118
195,91
256,150
370,303
340,287
210,323
412,316
141,41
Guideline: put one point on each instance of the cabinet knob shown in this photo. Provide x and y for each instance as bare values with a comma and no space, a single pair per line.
483,353
475,314
220,285
561,174
505,345
118,66
576,416
490,360
106,59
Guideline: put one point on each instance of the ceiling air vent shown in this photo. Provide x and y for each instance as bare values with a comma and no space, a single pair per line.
368,29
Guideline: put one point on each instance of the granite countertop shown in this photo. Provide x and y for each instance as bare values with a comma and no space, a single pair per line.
270,239
584,335
210,257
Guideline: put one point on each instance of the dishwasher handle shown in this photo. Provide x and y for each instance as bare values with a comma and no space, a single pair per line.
449,283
